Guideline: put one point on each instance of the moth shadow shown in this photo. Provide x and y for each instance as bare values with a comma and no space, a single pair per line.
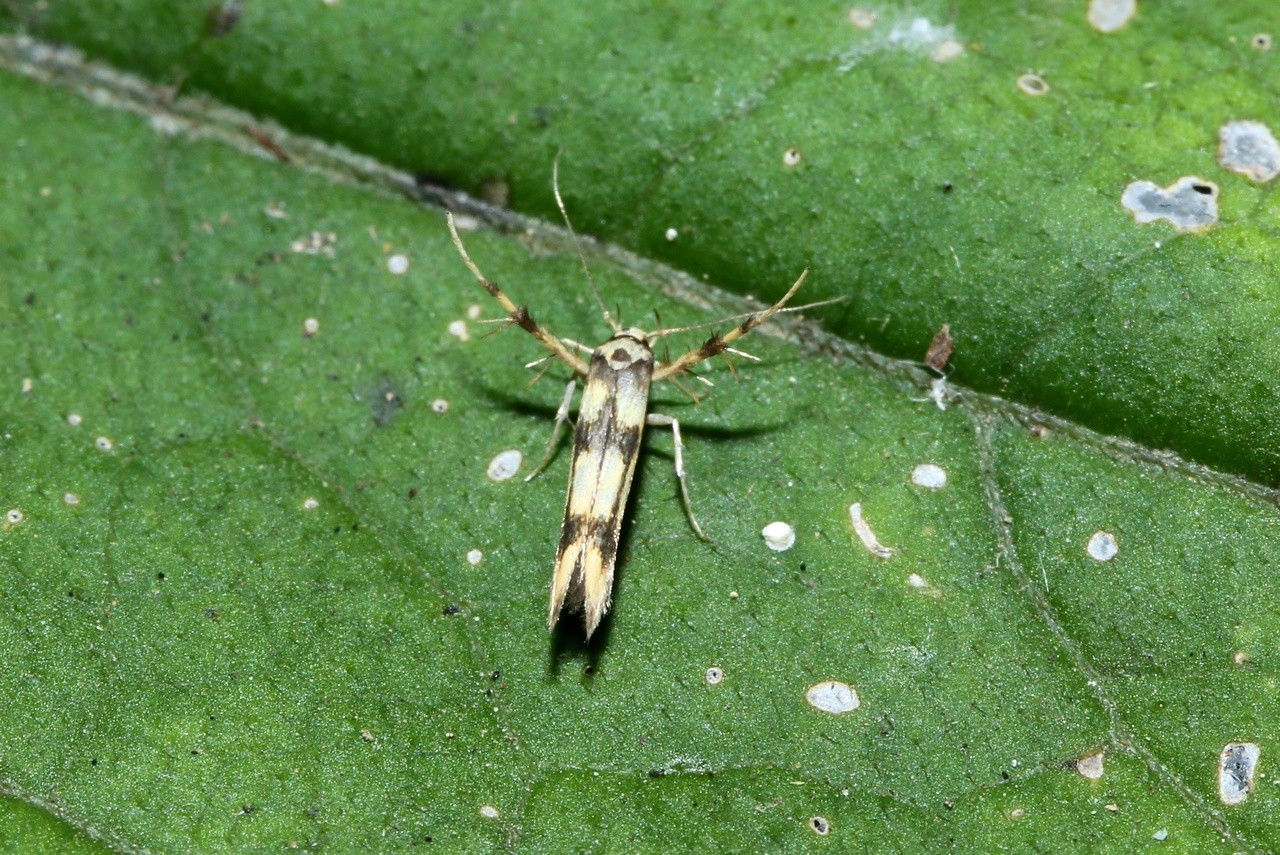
569,643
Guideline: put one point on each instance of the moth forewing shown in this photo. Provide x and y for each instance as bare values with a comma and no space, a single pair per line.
606,445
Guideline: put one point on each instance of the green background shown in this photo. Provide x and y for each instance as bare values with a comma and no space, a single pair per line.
194,659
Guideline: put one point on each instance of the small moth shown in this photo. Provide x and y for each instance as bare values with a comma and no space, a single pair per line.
612,416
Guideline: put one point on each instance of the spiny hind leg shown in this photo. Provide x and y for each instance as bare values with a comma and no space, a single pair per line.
659,420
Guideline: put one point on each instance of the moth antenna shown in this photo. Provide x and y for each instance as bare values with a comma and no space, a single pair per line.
579,345
498,329
660,333
538,362
729,362
686,390
742,353
555,188
540,374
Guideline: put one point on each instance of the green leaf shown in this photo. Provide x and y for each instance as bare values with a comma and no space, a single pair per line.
249,620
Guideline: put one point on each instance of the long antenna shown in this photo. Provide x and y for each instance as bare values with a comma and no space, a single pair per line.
664,332
555,187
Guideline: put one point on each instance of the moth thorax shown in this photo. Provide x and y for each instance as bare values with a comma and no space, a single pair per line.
626,348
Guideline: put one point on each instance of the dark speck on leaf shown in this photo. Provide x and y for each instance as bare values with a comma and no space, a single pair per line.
947,187
451,609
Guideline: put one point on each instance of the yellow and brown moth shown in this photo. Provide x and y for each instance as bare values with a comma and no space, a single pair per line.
612,415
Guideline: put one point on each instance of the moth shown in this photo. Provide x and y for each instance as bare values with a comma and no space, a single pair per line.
612,416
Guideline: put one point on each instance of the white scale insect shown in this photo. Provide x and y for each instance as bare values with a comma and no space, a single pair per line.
606,438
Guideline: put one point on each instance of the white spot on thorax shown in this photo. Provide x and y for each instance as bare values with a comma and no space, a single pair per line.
778,536
505,465
474,557
866,535
1107,16
1250,149
715,676
930,476
1102,546
398,264
1091,767
458,329
1236,767
1189,203
833,697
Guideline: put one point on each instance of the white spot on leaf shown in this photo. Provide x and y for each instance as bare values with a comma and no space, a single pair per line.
1102,546
439,405
1033,84
474,557
398,264
458,329
1091,767
310,504
1250,149
866,535
948,50
104,443
310,327
505,465
820,825
1236,767
1107,16
74,419
14,517
715,676
929,476
488,811
833,697
671,234
862,19
1190,203
778,536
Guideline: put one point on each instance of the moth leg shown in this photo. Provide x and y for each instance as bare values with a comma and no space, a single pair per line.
519,315
719,343
562,416
658,420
